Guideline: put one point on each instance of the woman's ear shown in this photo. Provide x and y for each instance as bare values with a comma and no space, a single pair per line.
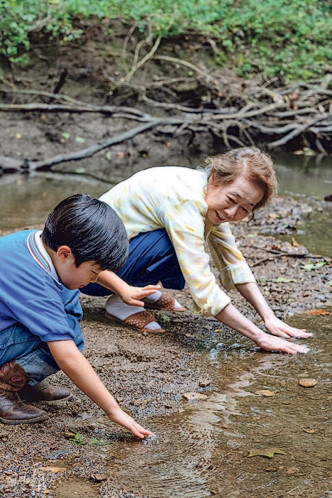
64,253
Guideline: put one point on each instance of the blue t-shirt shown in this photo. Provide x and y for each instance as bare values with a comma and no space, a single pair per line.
30,294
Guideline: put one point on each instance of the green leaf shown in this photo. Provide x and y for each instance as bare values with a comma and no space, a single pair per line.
65,135
313,266
266,452
80,171
282,280
80,140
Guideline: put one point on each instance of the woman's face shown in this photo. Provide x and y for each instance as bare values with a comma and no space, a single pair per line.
232,202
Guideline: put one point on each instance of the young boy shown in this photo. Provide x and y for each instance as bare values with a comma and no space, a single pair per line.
40,274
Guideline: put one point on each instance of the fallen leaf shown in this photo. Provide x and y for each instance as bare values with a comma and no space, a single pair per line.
53,469
271,469
283,280
317,312
265,392
307,382
295,243
292,470
18,135
80,140
267,452
309,431
194,396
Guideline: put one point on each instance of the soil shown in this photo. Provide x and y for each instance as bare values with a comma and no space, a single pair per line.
68,454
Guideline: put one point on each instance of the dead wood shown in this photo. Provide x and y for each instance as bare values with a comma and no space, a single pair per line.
296,116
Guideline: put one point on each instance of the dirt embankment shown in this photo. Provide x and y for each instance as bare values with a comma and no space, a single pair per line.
171,97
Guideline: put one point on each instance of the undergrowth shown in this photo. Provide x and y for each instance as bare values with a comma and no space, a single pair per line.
290,38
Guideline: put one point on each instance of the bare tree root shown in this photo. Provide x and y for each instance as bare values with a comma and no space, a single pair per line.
295,116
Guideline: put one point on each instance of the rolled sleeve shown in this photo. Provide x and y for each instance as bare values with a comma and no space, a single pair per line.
239,273
232,266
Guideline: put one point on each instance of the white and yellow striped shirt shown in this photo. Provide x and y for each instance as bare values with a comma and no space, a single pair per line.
173,198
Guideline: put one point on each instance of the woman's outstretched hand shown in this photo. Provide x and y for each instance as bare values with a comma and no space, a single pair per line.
276,344
281,329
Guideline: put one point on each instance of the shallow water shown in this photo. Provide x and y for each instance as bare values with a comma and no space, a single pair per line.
203,450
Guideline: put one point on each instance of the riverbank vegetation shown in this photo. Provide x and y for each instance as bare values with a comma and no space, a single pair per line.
288,39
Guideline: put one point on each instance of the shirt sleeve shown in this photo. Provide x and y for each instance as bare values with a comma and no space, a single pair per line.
185,227
229,260
40,310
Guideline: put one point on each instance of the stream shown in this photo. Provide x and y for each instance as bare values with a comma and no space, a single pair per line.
254,404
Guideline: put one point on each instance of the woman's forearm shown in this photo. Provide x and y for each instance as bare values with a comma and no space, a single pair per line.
233,318
253,295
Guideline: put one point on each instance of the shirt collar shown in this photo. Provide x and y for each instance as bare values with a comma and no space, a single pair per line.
40,255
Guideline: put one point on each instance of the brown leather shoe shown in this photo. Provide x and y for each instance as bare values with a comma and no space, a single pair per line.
13,411
44,392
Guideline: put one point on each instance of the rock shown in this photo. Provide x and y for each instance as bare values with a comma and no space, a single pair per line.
307,382
265,392
204,382
98,477
194,396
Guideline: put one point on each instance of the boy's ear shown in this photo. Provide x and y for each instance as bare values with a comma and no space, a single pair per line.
64,253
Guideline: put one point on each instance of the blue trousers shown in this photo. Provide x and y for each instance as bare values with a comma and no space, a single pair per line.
19,344
151,259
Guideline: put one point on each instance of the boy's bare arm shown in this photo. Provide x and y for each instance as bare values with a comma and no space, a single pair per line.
129,295
79,370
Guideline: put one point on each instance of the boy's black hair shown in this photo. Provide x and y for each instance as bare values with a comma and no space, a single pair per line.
92,230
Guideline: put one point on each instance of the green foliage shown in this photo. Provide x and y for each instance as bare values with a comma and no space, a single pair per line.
271,37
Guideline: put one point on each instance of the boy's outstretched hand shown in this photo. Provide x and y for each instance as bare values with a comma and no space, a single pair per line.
133,295
120,417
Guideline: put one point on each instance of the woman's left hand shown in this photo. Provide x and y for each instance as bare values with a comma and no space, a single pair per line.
281,329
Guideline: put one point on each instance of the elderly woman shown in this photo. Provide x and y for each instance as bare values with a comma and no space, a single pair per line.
169,213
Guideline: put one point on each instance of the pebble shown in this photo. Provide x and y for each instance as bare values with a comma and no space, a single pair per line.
307,382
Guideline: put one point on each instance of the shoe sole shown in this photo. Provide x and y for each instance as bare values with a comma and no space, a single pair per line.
48,401
149,331
41,418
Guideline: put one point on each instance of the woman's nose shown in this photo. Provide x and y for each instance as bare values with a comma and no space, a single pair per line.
231,212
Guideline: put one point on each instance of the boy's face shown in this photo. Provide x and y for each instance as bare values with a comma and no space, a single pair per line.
72,276
76,277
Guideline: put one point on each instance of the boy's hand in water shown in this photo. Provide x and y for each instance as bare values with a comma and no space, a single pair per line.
281,329
133,295
120,417
276,344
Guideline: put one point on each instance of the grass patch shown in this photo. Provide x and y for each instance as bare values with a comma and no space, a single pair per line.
290,38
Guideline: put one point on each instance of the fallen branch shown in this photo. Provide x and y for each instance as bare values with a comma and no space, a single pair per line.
90,151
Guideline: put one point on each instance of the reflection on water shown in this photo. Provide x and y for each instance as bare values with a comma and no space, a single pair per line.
304,176
26,200
203,450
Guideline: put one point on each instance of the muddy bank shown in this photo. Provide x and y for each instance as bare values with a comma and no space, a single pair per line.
78,451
